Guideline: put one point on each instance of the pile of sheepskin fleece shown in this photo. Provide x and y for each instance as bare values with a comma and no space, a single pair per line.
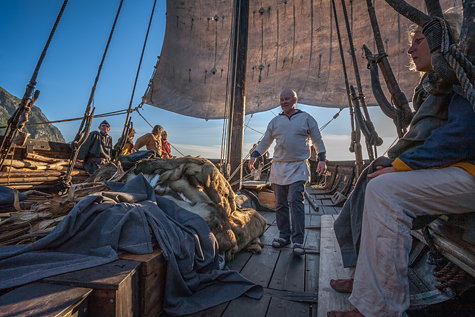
198,186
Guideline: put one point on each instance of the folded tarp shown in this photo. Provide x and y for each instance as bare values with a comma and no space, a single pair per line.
103,224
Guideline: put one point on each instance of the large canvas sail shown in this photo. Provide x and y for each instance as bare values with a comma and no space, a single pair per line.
292,44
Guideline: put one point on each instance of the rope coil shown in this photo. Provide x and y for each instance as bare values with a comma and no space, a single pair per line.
459,64
446,273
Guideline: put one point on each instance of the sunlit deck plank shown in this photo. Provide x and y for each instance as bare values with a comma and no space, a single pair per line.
331,267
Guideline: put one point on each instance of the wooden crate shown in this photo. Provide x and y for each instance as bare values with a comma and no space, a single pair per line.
43,299
151,281
115,287
267,198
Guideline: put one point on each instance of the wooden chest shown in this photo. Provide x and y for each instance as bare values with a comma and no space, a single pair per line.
43,299
151,281
115,287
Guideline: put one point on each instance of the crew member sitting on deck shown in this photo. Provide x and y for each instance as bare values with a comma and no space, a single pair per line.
151,140
292,130
96,150
430,171
129,144
166,150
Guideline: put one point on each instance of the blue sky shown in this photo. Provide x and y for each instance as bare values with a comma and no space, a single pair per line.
67,74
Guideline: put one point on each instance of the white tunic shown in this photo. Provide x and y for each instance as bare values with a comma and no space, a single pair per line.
292,149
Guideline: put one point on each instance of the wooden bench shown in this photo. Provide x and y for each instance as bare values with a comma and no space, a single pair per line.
331,267
115,287
43,299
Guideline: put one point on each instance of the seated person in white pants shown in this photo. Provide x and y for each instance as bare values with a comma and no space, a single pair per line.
437,176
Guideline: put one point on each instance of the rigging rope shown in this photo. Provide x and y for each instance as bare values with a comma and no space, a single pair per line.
395,140
26,102
107,114
229,103
126,124
137,109
91,97
247,124
334,117
82,134
355,145
358,84
459,63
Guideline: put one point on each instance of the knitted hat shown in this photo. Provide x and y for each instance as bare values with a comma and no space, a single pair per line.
105,122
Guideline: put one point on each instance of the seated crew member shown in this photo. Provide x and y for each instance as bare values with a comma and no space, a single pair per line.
96,150
430,171
129,144
151,140
166,150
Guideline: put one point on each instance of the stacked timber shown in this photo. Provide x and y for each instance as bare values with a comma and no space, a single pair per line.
40,213
36,172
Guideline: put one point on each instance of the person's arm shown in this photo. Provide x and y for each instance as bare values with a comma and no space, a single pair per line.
447,145
317,142
142,141
85,148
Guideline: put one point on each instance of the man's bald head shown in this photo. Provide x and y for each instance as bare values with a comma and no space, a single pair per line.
289,92
288,100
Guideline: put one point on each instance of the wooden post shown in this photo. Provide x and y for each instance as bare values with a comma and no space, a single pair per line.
237,109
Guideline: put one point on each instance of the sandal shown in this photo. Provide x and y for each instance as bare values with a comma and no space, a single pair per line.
298,249
279,243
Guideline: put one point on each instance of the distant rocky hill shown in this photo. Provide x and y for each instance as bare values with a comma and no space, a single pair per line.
8,105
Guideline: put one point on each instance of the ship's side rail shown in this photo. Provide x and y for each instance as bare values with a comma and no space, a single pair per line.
335,186
41,147
38,164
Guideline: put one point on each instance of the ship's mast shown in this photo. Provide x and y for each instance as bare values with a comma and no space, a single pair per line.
237,108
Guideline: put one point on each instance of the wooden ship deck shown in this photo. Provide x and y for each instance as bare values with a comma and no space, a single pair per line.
134,285
300,286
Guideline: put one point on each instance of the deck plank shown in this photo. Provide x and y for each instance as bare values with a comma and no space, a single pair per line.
269,235
215,311
260,267
269,216
312,241
284,308
289,274
242,307
331,267
312,268
330,210
312,234
239,261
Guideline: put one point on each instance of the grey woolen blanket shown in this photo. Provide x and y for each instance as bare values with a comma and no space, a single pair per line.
103,224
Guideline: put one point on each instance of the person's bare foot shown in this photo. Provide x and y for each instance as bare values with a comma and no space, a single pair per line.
345,313
342,285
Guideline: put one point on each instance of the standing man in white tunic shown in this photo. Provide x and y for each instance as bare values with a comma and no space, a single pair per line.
292,129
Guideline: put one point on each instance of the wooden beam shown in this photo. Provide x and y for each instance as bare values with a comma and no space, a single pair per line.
237,110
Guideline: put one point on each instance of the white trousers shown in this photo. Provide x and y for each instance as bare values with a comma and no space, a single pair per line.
392,201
